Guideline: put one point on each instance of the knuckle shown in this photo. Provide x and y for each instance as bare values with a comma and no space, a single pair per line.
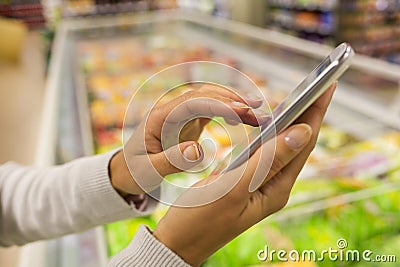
155,112
190,93
282,203
277,164
236,196
207,87
317,110
170,161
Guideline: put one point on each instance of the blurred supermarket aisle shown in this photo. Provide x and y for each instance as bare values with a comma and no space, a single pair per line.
21,91
105,49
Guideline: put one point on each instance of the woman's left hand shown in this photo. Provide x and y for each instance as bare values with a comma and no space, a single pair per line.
148,156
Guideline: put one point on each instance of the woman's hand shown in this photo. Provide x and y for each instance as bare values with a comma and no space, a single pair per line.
151,155
197,232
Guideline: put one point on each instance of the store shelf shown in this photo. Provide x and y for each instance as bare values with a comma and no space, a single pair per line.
370,26
96,9
30,12
321,6
375,106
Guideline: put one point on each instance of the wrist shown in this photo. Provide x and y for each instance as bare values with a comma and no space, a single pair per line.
121,178
192,253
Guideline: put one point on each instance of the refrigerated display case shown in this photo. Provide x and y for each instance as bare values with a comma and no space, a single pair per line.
347,190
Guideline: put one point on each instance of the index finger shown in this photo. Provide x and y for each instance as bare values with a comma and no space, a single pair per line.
207,104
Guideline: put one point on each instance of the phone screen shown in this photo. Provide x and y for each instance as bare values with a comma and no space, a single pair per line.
294,95
300,89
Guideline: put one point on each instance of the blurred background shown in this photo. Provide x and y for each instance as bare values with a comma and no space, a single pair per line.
69,67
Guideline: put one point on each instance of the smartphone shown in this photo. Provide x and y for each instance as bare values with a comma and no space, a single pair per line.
301,98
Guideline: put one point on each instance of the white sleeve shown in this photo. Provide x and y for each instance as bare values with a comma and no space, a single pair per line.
146,251
50,202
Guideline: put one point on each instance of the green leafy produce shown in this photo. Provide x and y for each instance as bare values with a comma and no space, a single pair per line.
119,234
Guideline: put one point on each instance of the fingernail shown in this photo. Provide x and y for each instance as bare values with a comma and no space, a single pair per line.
253,97
298,137
260,114
191,153
240,105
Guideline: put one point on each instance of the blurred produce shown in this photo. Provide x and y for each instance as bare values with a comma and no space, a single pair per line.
12,38
113,70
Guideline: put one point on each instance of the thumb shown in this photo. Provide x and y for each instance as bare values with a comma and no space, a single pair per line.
177,158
